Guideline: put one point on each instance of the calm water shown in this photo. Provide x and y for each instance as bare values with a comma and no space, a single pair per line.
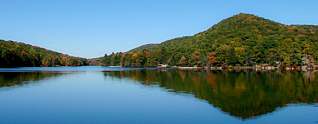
90,95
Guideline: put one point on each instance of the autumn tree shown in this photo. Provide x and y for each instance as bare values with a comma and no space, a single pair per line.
196,58
211,59
183,61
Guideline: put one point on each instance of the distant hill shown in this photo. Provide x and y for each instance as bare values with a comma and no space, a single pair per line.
243,39
17,54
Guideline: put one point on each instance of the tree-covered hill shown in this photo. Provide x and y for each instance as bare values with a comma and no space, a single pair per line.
16,54
146,46
243,39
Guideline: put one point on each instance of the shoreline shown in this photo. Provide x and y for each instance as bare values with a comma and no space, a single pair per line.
246,68
214,68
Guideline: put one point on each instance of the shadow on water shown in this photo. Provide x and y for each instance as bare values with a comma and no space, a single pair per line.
245,95
22,78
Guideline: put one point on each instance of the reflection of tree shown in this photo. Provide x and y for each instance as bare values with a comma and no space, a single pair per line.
14,79
309,76
245,94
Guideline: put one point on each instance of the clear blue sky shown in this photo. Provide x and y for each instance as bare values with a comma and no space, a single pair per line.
91,28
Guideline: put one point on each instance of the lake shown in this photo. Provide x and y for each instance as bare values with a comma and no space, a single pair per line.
114,95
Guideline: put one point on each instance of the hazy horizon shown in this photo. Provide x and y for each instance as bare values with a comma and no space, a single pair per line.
91,29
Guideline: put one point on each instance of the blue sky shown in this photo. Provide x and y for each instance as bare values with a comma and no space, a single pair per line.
91,28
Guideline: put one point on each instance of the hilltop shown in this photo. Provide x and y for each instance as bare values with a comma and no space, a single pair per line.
243,39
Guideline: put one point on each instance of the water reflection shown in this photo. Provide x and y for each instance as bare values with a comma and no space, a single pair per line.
241,94
21,78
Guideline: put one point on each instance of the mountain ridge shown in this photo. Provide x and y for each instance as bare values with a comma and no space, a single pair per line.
243,39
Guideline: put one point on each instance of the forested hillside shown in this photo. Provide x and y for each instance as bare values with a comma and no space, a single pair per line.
16,54
243,39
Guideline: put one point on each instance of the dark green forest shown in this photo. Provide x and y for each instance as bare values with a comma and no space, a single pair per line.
16,54
243,39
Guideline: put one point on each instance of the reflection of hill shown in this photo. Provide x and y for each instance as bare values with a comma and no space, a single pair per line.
14,79
244,95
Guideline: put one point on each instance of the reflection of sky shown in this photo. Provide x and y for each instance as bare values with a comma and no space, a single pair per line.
93,98
293,114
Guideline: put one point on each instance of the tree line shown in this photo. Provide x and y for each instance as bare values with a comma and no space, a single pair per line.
16,54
